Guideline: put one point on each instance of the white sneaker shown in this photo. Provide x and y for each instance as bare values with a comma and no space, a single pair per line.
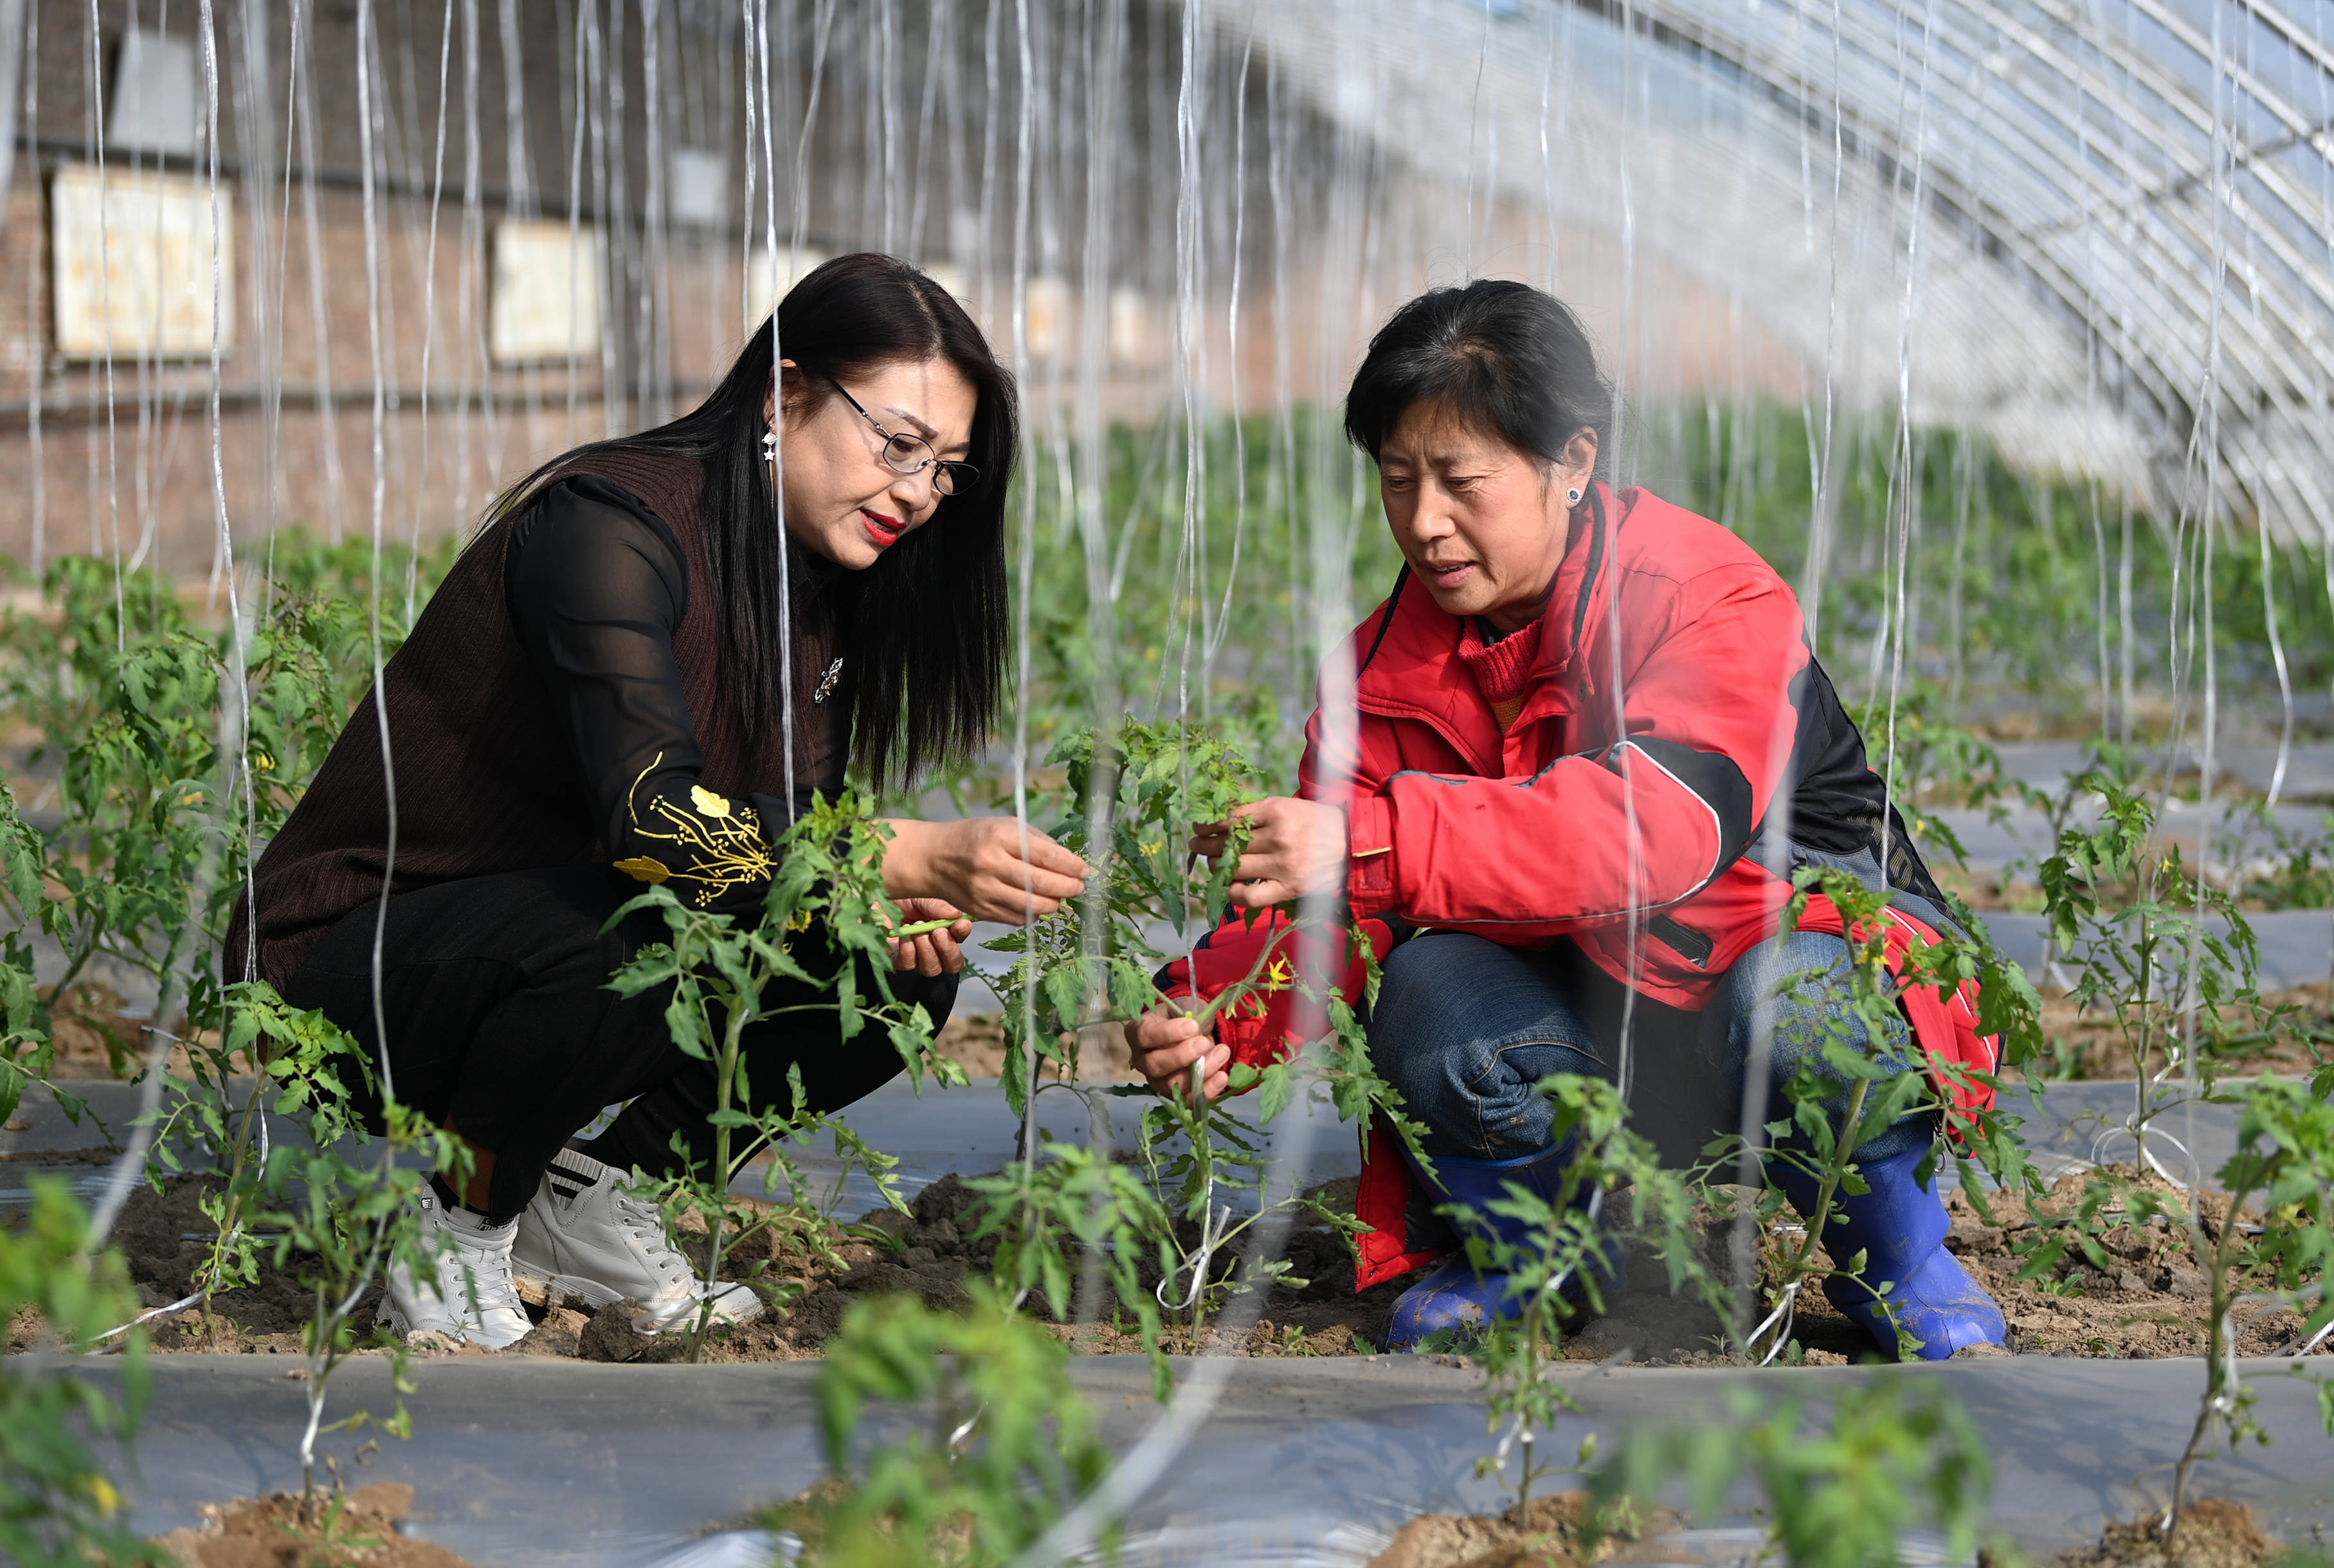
585,1236
470,1296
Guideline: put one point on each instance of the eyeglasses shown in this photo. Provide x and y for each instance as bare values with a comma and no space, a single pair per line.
913,454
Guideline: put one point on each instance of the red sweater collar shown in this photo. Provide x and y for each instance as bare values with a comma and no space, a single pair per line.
1503,669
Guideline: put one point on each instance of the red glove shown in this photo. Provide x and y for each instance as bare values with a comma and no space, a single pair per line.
1260,1028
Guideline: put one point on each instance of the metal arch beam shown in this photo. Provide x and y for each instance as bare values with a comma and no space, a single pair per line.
2260,352
2298,325
2050,278
2075,296
2107,290
2262,358
2304,127
2263,347
1792,91
2142,69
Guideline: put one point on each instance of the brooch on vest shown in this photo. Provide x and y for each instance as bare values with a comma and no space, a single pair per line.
827,682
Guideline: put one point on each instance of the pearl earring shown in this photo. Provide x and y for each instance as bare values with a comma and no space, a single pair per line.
1572,497
770,448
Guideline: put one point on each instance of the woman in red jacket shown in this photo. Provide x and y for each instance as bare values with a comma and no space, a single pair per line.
1591,734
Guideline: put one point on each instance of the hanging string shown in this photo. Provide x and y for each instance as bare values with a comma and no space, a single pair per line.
1026,571
366,142
37,379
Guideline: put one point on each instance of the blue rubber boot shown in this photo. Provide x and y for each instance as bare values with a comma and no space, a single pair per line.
1451,1294
1900,1227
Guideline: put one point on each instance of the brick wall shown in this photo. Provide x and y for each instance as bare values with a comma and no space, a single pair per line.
131,458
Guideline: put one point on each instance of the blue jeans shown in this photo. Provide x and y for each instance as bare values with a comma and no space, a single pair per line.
1465,1028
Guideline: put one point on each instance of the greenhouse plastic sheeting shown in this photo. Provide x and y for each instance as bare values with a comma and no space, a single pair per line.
527,1460
2297,946
519,1460
971,1130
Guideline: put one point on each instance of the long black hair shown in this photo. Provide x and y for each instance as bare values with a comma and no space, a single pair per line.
922,632
1502,358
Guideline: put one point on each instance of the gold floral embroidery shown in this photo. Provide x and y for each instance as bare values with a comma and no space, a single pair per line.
718,846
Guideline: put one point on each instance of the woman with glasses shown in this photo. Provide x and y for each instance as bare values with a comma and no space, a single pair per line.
638,672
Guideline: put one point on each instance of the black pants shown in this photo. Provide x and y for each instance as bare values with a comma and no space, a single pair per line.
501,1024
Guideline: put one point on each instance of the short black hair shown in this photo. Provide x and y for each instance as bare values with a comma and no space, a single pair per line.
1502,358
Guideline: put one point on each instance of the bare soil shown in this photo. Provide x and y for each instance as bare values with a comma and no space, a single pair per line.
975,1041
2150,1300
2210,1532
2147,1301
1548,1537
2087,1044
95,1038
342,1530
928,1253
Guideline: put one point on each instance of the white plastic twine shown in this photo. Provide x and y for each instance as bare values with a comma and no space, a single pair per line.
2131,1128
1024,152
131,1165
1088,466
1750,1165
757,26
1784,1315
1517,1432
1143,1465
1213,1223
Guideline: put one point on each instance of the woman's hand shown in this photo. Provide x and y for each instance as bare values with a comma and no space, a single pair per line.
1297,850
976,866
1163,1043
933,953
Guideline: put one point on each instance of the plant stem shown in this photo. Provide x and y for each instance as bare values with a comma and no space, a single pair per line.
1842,1151
2147,943
2216,1346
229,1221
1203,1153
725,1076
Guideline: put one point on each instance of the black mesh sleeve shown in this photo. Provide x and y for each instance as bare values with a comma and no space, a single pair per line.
596,584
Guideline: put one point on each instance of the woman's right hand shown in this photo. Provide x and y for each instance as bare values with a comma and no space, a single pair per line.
976,865
1163,1043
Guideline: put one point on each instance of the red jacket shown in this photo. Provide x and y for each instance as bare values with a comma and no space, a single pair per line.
1674,703
1525,837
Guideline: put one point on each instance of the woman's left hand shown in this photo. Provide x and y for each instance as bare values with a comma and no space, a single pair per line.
933,953
1297,850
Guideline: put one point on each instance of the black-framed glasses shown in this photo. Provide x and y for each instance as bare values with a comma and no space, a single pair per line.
913,454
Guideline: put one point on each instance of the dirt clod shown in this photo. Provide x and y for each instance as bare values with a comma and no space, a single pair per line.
2210,1532
560,1333
607,1336
358,1526
1548,1537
